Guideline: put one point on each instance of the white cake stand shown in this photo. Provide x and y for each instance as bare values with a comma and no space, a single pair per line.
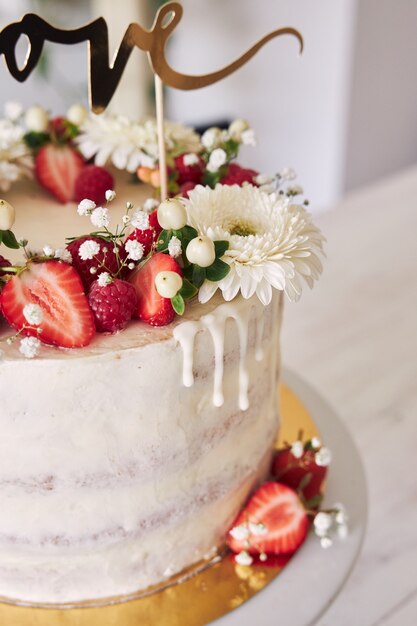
313,579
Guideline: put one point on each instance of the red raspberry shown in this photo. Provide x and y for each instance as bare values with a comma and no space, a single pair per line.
186,187
105,256
4,263
237,175
112,305
92,183
189,173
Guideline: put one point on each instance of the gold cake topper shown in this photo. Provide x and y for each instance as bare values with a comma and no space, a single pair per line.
104,77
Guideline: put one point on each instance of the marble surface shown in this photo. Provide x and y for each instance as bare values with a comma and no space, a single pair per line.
354,338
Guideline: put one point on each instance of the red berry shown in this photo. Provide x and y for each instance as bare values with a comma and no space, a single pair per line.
57,167
153,308
189,173
148,236
237,175
186,187
106,257
292,471
284,520
92,183
4,263
112,305
153,222
56,287
59,126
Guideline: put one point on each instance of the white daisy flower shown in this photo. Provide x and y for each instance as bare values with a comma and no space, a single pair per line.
100,217
174,247
88,250
29,347
134,250
272,242
33,314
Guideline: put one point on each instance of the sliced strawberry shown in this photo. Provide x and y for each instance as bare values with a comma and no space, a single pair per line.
56,287
301,474
282,517
153,308
57,168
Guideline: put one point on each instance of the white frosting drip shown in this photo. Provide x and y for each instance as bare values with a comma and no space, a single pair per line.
215,323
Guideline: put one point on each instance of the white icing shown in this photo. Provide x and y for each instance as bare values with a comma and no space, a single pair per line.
215,323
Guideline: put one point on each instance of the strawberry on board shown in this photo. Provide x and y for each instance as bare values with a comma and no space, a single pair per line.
56,287
57,167
274,521
153,308
302,467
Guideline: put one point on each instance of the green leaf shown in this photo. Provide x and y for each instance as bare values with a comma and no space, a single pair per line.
306,479
199,275
178,304
9,239
314,502
188,290
221,247
217,271
34,141
163,240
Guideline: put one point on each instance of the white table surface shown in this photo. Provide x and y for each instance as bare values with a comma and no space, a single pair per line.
314,577
354,338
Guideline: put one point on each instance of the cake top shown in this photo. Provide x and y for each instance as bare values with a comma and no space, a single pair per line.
101,249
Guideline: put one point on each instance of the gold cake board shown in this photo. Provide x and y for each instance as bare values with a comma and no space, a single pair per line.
195,601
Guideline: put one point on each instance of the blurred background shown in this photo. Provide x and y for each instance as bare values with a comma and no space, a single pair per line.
343,114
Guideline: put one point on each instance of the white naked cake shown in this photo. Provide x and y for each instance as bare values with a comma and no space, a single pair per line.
143,356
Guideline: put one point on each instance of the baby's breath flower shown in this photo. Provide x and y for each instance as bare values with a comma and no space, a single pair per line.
13,110
129,206
48,251
243,558
134,249
217,158
131,266
100,217
297,449
190,159
110,195
287,174
125,219
29,347
140,220
323,457
104,279
33,314
248,137
63,255
86,206
150,204
211,138
316,443
240,533
174,247
88,250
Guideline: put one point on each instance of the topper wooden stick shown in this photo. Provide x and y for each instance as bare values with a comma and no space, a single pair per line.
159,97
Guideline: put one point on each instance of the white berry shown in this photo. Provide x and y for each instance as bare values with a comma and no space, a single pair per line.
36,119
7,215
201,251
168,284
172,215
77,114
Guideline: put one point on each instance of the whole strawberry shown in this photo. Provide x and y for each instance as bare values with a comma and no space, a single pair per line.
93,182
113,302
237,175
190,168
148,236
105,259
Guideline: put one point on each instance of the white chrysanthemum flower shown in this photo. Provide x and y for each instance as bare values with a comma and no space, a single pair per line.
272,242
88,250
140,220
63,255
129,145
33,314
29,347
104,279
174,247
16,160
86,206
100,217
217,158
134,250
110,195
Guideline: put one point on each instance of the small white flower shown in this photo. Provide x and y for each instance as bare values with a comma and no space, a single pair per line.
287,174
323,457
341,515
263,557
322,523
93,270
86,206
326,542
134,250
29,347
315,442
190,159
240,533
150,205
297,449
48,251
243,558
125,219
258,529
131,266
110,195
342,531
248,137
236,128
100,217
13,110
33,314
174,247
63,255
88,250
129,206
104,279
140,220
217,158
263,179
212,138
